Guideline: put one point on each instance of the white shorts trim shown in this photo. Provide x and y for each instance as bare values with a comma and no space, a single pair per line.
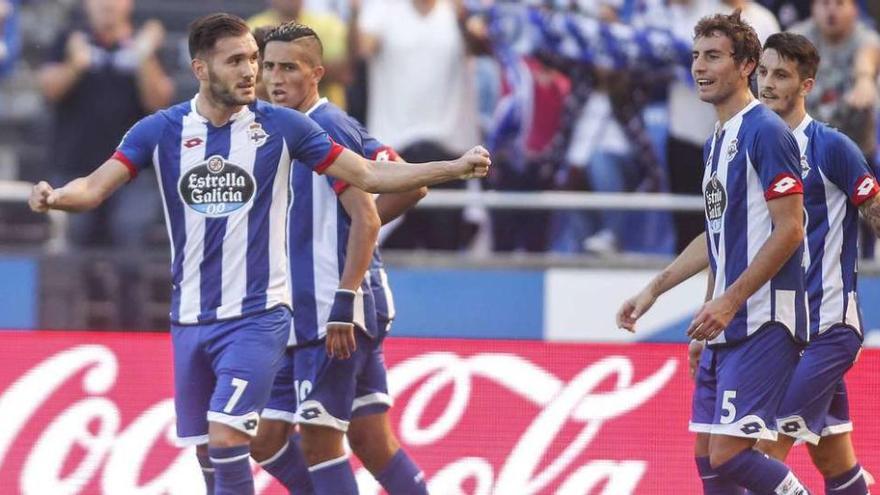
699,427
371,399
245,424
322,418
837,429
191,441
279,415
735,429
802,433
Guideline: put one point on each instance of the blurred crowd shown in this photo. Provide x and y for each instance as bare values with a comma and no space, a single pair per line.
575,95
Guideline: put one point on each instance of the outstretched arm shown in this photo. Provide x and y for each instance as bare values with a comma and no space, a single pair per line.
82,194
691,261
382,176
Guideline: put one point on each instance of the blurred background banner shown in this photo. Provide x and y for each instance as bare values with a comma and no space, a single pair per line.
91,413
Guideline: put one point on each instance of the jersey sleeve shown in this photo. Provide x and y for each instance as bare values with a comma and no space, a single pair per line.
308,143
348,133
776,159
135,150
847,169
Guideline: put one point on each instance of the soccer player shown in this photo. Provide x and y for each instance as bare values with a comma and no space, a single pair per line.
336,380
223,161
837,185
755,314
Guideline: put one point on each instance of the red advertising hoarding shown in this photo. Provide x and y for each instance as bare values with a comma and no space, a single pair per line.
90,413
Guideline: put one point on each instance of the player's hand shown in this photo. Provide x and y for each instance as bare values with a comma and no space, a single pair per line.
712,318
473,164
43,196
79,52
340,340
633,308
695,350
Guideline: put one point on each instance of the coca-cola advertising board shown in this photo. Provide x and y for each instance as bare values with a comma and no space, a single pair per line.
91,413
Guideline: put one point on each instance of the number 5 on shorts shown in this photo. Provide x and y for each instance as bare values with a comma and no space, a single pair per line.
239,386
727,406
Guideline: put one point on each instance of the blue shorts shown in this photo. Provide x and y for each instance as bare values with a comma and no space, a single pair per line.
739,388
816,404
332,391
223,372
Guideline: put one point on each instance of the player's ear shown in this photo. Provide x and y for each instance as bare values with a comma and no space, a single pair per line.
319,72
200,69
807,86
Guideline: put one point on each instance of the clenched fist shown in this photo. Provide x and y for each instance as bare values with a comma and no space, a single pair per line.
473,164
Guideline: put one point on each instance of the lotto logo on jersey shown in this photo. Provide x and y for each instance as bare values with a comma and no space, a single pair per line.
716,202
783,185
216,187
866,188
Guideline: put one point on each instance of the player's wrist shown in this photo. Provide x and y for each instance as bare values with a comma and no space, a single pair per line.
342,311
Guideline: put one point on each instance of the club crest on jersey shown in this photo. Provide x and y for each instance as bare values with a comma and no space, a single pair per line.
731,149
256,134
805,167
216,187
716,202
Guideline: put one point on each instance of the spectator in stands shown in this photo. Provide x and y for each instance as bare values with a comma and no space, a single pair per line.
100,79
334,37
9,39
845,93
421,98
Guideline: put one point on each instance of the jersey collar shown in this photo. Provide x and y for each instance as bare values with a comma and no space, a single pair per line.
736,118
192,104
803,125
316,105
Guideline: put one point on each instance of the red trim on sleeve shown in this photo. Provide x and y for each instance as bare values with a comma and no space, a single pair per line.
340,187
784,184
385,153
866,189
335,151
125,161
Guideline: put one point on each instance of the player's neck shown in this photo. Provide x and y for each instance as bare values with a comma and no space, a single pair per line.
309,102
796,116
217,113
733,105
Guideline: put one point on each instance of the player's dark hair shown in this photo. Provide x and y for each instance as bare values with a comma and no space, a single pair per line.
204,32
746,45
260,35
797,48
291,31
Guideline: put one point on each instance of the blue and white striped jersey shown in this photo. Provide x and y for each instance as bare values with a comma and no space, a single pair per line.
836,181
225,194
318,229
750,160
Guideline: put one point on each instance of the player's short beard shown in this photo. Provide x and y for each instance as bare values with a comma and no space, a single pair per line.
223,94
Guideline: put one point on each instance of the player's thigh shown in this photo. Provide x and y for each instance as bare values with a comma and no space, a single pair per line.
703,400
194,383
372,440
247,355
834,455
806,409
270,439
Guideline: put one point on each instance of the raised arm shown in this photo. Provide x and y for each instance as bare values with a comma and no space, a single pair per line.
359,252
383,177
691,261
82,194
787,215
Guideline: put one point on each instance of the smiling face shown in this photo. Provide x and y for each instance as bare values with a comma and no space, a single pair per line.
717,75
229,70
779,84
291,73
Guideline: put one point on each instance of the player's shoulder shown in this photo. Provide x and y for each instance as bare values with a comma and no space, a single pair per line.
281,117
832,142
763,125
329,116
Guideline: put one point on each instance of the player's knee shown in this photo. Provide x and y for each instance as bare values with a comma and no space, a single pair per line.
220,435
320,444
721,452
263,448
